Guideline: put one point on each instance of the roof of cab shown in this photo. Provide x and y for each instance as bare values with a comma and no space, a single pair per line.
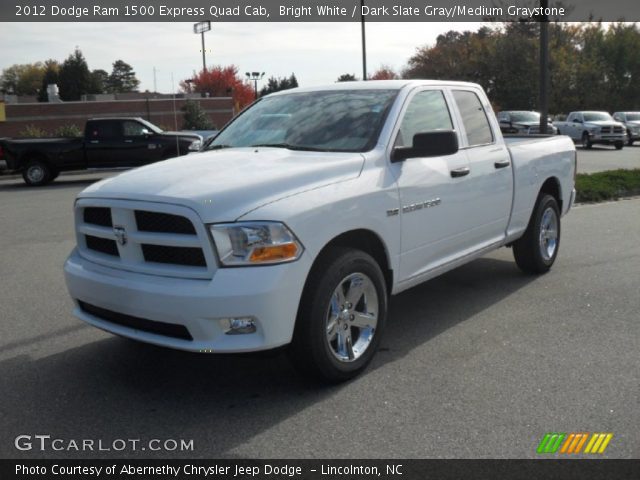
377,84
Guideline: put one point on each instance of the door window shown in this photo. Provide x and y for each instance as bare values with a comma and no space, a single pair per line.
426,112
134,129
106,130
474,118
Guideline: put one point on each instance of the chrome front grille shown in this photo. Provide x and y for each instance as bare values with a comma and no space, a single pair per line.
150,238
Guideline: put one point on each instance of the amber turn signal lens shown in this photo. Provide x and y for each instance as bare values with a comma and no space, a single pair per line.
274,253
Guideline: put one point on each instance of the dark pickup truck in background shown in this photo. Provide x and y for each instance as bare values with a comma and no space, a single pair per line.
107,143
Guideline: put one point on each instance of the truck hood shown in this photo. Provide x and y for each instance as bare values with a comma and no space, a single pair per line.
225,184
603,123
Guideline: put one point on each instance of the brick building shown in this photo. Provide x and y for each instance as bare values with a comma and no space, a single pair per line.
164,112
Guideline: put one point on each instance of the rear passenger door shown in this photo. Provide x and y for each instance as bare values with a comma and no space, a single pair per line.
103,144
489,185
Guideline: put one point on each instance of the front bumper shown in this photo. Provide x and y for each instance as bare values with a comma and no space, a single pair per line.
607,137
269,294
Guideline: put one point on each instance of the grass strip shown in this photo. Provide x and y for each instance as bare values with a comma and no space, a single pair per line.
609,185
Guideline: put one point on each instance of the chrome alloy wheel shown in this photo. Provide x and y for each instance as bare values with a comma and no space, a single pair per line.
352,317
548,234
35,173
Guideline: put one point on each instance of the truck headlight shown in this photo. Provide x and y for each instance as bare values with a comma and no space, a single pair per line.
195,146
255,243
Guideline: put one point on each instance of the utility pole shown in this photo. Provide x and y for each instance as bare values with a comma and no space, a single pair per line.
544,67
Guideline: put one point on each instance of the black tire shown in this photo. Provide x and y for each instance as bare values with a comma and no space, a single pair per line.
586,141
619,145
630,141
311,350
37,173
529,250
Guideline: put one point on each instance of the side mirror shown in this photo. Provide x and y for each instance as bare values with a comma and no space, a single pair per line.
429,144
146,133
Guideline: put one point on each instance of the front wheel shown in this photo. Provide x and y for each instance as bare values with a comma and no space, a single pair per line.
537,249
586,140
619,145
341,317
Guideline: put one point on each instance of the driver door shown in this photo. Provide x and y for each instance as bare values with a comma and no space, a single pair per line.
431,189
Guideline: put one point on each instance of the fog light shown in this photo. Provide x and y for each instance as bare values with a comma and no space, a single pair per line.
238,326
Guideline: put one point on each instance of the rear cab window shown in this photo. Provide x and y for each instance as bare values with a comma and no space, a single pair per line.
474,118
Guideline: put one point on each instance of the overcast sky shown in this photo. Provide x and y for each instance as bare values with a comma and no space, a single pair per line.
316,52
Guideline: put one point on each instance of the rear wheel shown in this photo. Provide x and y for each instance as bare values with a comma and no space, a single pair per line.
341,317
586,141
537,249
37,173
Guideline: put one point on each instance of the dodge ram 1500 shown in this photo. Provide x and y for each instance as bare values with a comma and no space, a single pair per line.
593,127
306,212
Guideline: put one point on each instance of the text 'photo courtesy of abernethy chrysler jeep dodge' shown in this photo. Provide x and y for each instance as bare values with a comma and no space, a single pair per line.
309,209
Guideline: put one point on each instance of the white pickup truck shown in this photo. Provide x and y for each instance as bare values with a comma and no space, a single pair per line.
593,127
307,211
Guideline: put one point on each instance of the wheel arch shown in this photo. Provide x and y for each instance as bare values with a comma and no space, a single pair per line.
369,242
551,186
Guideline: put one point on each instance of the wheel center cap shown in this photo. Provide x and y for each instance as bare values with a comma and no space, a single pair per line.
344,315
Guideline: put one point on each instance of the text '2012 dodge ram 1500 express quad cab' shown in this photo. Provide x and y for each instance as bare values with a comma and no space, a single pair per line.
107,143
590,128
307,211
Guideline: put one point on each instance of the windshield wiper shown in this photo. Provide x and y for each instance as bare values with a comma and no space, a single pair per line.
217,147
288,146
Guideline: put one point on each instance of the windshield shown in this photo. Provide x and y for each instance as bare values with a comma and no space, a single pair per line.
334,121
633,117
525,117
150,126
597,117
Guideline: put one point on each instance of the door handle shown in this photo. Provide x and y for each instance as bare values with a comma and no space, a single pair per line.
94,141
502,164
128,141
460,172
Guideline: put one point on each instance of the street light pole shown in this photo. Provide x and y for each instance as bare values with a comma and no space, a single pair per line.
364,43
254,77
200,28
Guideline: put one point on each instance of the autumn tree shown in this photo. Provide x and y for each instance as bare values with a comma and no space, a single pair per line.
219,81
24,79
385,72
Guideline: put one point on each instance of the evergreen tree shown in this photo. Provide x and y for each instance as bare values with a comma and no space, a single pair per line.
195,118
74,77
122,78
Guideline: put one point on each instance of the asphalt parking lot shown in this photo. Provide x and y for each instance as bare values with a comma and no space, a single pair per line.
604,157
480,362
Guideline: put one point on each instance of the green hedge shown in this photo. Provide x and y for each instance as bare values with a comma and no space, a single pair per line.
609,185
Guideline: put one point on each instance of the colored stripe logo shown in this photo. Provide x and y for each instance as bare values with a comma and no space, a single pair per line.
569,443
